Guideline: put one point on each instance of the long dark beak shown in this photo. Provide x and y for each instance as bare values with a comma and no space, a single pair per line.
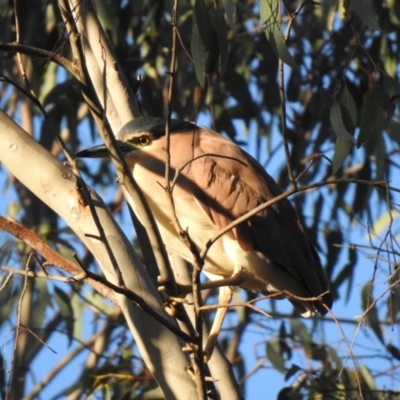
101,151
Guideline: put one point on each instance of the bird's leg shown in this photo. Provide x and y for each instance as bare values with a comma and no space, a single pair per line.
225,297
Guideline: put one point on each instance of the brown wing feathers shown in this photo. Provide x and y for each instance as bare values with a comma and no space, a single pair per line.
228,192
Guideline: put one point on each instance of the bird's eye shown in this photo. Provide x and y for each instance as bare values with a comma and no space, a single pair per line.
144,141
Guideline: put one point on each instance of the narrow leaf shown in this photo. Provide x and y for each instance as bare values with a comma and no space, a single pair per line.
64,304
371,116
372,316
347,102
222,35
299,330
342,149
198,54
382,224
392,89
203,23
365,10
335,357
390,85
269,14
367,376
229,7
336,117
274,356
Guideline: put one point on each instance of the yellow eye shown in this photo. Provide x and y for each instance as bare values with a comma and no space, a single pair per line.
144,141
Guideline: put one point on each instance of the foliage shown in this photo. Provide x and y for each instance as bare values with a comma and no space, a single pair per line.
340,71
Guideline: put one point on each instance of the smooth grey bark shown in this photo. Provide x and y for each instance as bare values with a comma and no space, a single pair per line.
56,185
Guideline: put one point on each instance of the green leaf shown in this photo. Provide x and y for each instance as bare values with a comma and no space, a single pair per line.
229,8
13,208
349,108
274,355
64,304
382,224
372,315
342,149
367,376
362,191
371,116
318,352
390,85
335,357
299,330
99,302
8,300
240,311
203,23
338,113
380,154
283,343
65,248
365,10
269,14
345,274
392,90
336,118
222,35
198,55
393,129
78,308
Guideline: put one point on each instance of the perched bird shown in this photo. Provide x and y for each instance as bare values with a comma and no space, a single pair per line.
218,183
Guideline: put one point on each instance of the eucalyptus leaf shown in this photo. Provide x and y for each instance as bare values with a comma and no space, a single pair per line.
342,150
64,304
372,315
366,376
222,35
371,116
269,14
365,10
274,355
203,23
198,54
347,102
336,118
229,7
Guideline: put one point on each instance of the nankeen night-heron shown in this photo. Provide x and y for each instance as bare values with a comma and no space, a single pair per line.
270,248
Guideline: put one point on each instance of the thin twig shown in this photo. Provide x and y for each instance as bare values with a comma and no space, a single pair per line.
40,53
308,166
290,192
11,377
51,256
350,351
292,179
237,304
94,280
197,356
45,275
182,167
62,364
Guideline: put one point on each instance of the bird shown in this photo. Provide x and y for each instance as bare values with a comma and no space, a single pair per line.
217,183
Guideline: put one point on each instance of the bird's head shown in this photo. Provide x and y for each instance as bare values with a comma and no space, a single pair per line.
138,134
